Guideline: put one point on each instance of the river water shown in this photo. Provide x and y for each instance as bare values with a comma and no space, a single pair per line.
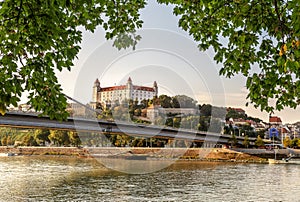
73,179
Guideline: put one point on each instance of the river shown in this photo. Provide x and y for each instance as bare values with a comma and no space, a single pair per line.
73,179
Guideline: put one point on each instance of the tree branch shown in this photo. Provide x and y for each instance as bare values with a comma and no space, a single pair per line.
279,20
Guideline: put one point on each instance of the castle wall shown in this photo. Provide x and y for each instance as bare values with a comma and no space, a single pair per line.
109,95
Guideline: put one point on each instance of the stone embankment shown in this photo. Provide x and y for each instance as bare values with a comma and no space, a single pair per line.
204,154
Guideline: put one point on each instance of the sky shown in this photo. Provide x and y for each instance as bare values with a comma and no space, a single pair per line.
166,54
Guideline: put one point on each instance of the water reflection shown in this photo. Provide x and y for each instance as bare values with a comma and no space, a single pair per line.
72,179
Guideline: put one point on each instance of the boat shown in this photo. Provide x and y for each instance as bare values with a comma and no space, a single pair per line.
124,157
284,161
6,154
292,159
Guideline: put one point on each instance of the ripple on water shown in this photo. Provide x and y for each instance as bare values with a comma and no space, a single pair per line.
71,179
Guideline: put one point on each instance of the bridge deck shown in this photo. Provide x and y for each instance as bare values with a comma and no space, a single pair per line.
24,120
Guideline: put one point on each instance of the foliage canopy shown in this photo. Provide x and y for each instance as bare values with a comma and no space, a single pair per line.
258,38
38,37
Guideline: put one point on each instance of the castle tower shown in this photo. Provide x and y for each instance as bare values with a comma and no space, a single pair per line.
155,88
96,88
129,88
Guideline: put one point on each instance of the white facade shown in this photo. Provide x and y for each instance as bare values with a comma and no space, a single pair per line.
109,95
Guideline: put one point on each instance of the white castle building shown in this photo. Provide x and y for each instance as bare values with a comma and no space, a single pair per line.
109,95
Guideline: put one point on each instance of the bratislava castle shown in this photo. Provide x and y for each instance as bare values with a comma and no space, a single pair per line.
109,95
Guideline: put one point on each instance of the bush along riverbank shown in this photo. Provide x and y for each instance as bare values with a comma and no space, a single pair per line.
203,154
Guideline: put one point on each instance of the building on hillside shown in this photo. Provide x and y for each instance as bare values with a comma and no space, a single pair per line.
76,110
285,132
80,110
153,111
237,110
24,107
260,126
294,130
275,121
107,96
180,111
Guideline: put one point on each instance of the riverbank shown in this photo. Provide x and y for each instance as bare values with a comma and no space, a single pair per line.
27,151
203,154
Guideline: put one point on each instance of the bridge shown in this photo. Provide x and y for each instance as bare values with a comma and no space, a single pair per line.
30,120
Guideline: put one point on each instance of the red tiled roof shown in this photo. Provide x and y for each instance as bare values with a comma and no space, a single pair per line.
274,119
144,88
113,88
240,110
284,130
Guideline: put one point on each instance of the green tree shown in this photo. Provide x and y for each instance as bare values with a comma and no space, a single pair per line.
185,101
59,137
259,142
160,121
294,143
175,103
74,138
177,122
134,142
28,140
41,136
246,141
165,101
232,140
10,140
205,110
203,123
231,113
141,142
144,103
38,37
258,39
226,129
248,130
4,141
169,122
137,112
287,142
298,145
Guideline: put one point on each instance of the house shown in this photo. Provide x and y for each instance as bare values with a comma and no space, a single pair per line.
275,121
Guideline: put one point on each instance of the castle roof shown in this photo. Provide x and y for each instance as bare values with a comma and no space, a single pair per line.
112,88
123,87
144,88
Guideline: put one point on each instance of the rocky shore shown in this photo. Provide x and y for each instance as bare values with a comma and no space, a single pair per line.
203,154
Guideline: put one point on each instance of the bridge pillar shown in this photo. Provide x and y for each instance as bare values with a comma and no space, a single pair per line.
209,144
